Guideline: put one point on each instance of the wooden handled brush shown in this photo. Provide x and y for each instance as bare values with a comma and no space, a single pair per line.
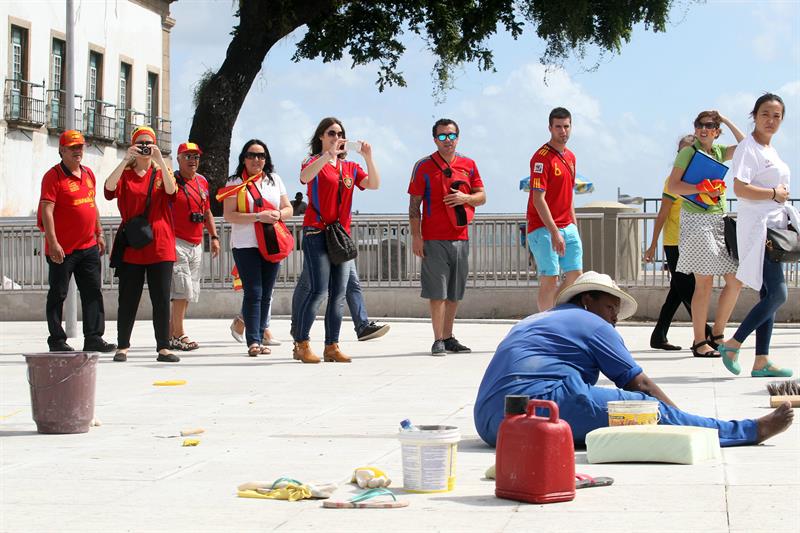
784,391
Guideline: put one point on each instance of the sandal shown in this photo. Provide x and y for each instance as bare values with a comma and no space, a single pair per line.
183,343
771,371
254,350
710,354
359,501
583,481
730,357
712,340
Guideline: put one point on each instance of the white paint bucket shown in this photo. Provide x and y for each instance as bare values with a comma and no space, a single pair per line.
429,458
633,413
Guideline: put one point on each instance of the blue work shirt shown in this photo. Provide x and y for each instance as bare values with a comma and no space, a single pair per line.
542,351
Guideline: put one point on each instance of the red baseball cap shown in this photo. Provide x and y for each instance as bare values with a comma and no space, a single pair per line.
189,147
71,138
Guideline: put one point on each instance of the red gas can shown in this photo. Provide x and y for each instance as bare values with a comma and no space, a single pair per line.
535,457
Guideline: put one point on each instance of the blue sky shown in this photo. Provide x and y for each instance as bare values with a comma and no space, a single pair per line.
627,114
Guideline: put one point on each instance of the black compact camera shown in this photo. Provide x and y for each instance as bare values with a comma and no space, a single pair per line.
197,218
144,148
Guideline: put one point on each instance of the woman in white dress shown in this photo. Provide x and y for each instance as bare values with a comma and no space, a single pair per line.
761,182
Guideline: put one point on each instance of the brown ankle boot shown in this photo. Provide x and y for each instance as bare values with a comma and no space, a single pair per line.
333,354
302,352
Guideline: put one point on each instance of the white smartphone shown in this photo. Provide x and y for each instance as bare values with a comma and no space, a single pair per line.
353,146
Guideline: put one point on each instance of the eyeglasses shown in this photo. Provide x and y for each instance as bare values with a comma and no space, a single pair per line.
445,136
255,155
191,157
334,133
706,125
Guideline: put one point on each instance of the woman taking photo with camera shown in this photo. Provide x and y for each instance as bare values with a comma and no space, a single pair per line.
254,196
761,183
701,248
331,182
144,187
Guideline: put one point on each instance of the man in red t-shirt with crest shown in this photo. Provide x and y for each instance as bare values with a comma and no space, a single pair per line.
448,186
74,241
552,226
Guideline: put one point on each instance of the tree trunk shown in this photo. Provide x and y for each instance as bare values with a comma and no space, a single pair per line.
262,23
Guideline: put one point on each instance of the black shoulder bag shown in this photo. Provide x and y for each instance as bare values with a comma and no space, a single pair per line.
138,231
340,245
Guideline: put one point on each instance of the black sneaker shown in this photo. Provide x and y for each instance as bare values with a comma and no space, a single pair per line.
167,358
453,346
438,348
373,331
60,346
99,345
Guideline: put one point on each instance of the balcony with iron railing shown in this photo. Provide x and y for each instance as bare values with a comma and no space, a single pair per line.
127,121
164,133
100,121
24,103
57,112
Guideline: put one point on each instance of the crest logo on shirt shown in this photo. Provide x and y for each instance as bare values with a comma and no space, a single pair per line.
767,163
73,186
348,182
538,168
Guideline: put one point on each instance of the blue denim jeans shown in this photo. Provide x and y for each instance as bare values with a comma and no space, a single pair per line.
258,279
319,278
353,295
761,317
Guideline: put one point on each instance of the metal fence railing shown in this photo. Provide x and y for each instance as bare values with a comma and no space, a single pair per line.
57,111
499,255
99,119
24,102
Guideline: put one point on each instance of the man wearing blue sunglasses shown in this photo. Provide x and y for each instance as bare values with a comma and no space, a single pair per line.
448,186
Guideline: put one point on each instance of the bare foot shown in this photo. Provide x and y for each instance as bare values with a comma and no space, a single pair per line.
776,422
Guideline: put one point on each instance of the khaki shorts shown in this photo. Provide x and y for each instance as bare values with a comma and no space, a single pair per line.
186,273
444,270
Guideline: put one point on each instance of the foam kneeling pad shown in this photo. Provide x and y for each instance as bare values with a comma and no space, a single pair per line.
686,445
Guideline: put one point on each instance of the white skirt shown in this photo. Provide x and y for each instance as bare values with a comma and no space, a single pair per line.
702,245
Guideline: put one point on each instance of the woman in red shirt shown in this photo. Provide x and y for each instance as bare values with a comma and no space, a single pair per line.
144,173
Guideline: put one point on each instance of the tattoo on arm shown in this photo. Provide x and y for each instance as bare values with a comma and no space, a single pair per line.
413,207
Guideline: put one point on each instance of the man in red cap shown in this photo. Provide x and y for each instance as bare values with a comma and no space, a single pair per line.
74,241
191,210
448,186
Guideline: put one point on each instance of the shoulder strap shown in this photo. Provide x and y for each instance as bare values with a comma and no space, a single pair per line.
563,160
149,193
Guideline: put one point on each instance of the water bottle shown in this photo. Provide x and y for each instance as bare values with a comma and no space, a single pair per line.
406,425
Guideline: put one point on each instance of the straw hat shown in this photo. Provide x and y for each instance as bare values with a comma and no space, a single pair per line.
594,281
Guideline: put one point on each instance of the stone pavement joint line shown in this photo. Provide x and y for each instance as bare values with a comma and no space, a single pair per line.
270,416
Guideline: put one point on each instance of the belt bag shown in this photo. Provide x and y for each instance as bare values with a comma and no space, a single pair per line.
341,247
783,245
138,231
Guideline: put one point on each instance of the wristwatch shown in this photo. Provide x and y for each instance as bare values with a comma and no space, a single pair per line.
214,238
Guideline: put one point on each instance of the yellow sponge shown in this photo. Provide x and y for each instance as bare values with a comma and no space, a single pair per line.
685,445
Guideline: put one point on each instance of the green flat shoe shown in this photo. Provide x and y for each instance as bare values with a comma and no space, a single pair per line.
771,371
731,363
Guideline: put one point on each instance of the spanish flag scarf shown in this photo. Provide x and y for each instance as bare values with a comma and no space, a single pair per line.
240,191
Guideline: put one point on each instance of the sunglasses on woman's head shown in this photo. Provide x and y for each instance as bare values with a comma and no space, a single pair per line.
706,125
255,155
444,136
334,133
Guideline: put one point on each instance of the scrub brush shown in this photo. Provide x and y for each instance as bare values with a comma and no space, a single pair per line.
784,391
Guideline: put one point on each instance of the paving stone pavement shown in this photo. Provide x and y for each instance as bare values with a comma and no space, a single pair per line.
271,416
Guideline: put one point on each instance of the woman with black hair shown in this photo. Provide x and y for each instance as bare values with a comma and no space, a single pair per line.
254,195
331,181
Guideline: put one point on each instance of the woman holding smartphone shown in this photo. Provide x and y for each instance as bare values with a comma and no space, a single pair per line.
701,246
761,182
254,195
331,181
143,182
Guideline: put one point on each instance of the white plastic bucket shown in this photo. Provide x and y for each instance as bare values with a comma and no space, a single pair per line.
633,413
429,458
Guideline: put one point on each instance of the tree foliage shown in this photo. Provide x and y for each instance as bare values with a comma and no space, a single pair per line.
371,31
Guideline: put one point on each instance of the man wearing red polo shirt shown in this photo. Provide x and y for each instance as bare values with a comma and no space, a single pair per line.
448,186
73,244
191,210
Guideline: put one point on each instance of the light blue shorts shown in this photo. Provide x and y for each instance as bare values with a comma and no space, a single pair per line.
548,261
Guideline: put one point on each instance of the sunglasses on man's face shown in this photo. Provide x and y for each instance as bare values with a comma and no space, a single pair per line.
255,155
191,157
447,136
334,133
706,126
